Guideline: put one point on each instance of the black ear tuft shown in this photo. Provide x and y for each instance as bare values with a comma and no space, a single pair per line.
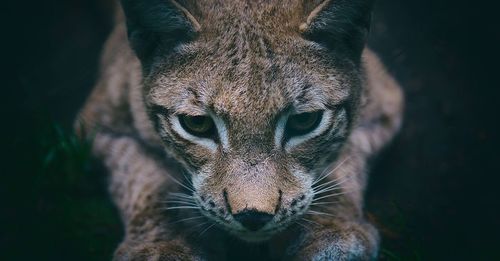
152,23
342,25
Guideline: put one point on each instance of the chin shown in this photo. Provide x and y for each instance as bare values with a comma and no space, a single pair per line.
256,236
253,237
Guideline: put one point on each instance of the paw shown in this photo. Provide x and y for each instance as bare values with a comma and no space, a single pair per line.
351,243
157,251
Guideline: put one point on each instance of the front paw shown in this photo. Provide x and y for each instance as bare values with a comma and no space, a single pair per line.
155,251
350,242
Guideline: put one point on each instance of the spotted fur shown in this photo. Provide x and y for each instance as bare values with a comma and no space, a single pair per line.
249,65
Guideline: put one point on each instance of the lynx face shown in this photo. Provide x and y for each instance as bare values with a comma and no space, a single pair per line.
253,107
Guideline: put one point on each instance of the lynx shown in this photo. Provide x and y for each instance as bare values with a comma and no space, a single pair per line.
241,123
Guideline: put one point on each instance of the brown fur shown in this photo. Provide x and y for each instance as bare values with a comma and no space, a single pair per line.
248,63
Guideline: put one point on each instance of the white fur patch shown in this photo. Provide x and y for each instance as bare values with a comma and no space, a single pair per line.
280,130
222,131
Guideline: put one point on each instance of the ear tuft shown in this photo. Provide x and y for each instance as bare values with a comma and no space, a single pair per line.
341,25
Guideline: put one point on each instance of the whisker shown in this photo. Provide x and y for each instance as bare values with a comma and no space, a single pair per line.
193,228
206,229
325,173
182,207
186,219
330,188
180,202
328,173
324,203
189,181
329,183
312,222
303,225
191,200
331,195
181,184
338,180
320,213
201,224
181,195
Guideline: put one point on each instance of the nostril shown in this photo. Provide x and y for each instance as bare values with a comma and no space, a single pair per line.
253,220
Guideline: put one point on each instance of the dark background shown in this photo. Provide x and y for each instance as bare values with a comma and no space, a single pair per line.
433,192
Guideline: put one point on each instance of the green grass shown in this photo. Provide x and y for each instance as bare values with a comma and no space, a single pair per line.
76,192
61,210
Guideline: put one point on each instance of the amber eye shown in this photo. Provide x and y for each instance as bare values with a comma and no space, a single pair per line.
300,124
201,126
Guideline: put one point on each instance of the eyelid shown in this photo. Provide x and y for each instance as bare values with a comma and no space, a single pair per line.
190,114
326,119
279,137
202,141
299,108
318,115
210,132
221,131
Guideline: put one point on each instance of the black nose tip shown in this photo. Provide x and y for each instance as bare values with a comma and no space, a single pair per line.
253,220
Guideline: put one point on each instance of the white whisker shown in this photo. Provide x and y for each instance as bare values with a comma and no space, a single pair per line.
201,224
182,207
180,202
336,181
325,173
303,225
328,173
330,188
323,203
329,183
189,181
206,229
190,200
181,184
312,222
320,213
181,195
330,195
186,219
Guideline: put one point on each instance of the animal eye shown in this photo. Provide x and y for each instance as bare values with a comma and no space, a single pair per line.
201,126
300,124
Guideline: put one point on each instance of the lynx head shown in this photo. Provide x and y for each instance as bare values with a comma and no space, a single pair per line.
254,98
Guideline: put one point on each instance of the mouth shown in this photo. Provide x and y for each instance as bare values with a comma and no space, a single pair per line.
253,237
256,236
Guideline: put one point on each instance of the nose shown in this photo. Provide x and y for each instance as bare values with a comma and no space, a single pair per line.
253,220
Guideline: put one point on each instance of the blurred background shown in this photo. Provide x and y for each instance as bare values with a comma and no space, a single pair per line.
434,193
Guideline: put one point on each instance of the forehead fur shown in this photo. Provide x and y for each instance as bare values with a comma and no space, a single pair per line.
248,64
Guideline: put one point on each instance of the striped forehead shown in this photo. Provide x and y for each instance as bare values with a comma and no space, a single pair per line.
247,78
246,74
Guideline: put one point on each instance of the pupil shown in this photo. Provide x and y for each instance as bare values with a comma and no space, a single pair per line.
198,120
305,118
303,121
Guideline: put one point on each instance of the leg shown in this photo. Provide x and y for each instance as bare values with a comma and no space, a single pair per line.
337,230
139,184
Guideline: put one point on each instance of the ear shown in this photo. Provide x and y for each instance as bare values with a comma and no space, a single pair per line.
341,25
151,23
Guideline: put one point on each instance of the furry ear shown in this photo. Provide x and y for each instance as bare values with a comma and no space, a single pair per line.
154,22
341,25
